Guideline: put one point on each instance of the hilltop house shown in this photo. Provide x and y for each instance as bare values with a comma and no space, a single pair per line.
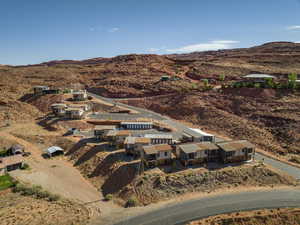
197,135
160,138
84,107
54,150
134,145
154,155
236,151
80,95
101,130
194,153
136,125
59,109
17,149
40,89
117,137
74,113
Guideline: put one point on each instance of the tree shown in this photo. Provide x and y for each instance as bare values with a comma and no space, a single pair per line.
222,77
269,82
292,80
205,82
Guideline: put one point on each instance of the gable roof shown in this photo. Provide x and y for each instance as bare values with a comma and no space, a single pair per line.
196,132
11,160
153,149
53,149
134,140
235,145
159,136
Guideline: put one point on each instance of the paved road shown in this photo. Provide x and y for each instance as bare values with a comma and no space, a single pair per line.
184,212
293,171
204,207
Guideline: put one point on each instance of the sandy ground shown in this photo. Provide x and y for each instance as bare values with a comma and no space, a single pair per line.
58,176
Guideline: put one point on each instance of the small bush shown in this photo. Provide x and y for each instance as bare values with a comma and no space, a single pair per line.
35,191
25,166
108,197
132,202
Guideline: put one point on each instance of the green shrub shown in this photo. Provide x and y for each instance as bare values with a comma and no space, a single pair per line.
25,166
108,197
132,202
6,181
35,191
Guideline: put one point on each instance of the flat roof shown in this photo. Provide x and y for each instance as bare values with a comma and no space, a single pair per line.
136,123
229,146
153,149
195,147
159,136
195,132
105,127
11,160
259,76
134,140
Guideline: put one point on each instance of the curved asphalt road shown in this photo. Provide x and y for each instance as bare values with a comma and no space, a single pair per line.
204,207
182,213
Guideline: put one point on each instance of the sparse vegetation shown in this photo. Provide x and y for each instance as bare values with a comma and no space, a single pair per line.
6,182
25,166
108,197
35,191
132,202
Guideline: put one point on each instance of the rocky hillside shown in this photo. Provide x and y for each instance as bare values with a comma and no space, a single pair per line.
266,117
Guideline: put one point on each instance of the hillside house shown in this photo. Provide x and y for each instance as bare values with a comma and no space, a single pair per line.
117,137
80,95
59,109
236,151
74,113
197,153
134,145
155,155
11,163
54,151
101,130
160,138
197,135
17,149
38,90
136,125
84,107
257,78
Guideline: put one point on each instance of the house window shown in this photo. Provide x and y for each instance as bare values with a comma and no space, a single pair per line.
166,153
191,155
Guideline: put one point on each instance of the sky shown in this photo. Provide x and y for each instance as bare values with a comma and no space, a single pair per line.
35,31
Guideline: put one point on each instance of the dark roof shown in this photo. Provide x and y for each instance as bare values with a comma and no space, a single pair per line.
235,145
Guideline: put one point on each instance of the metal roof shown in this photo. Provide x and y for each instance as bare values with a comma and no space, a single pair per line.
259,76
105,127
235,145
136,123
54,149
159,136
153,149
195,147
196,132
134,140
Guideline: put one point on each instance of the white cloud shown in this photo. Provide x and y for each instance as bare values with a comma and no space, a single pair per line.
212,45
296,27
156,49
114,29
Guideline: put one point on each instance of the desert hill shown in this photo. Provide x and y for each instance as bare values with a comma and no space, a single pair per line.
269,118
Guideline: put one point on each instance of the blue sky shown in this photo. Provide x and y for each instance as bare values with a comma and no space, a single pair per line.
35,31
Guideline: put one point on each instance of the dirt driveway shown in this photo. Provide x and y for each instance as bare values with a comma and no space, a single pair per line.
58,176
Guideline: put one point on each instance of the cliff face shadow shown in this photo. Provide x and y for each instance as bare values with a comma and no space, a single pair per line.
91,152
120,178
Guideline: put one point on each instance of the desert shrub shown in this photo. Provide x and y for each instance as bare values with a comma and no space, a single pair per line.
35,191
257,85
132,202
25,166
108,197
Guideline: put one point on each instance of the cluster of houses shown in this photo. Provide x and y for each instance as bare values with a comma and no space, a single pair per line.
195,146
11,159
72,111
